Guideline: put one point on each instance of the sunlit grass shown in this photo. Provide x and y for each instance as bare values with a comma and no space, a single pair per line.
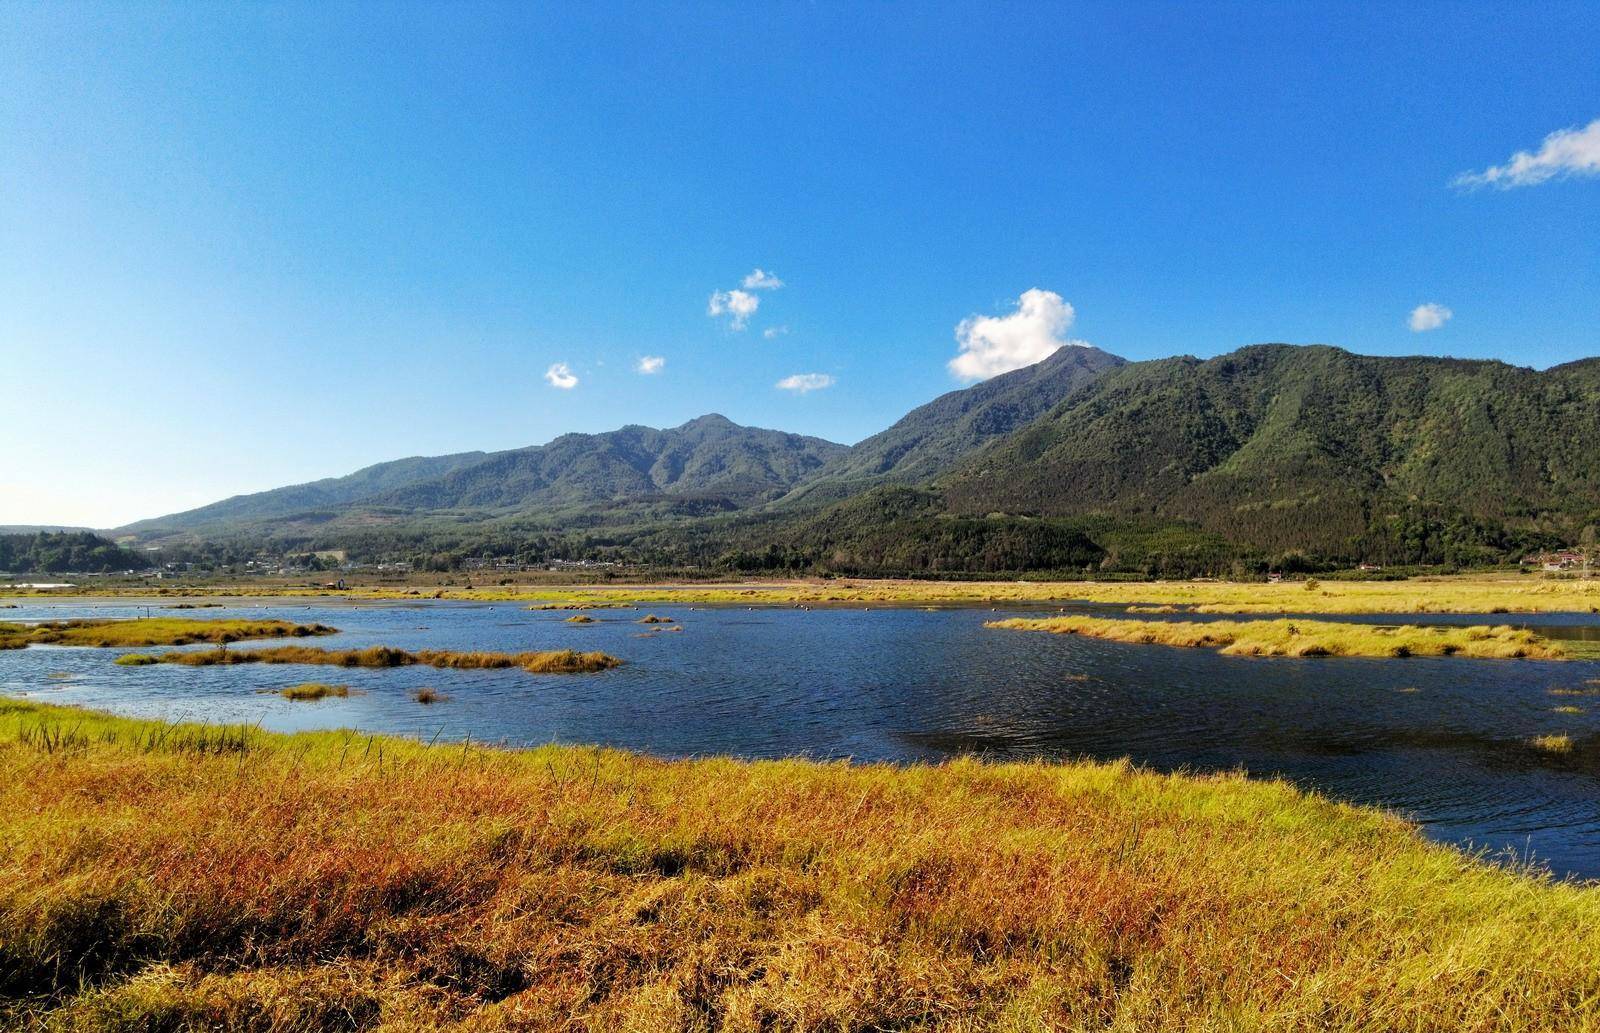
556,661
175,877
1304,637
160,631
1552,743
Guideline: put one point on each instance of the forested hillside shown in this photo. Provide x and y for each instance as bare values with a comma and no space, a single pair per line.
48,552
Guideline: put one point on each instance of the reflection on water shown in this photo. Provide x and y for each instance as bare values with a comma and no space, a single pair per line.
1445,741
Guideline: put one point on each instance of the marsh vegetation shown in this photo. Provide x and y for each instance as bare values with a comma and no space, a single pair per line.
160,631
1305,638
556,661
337,879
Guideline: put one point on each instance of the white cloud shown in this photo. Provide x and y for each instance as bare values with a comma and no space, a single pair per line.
802,383
991,345
649,364
1566,152
774,332
1428,317
560,375
761,280
738,306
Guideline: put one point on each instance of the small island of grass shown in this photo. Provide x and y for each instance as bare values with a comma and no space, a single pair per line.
159,631
556,661
1305,637
312,690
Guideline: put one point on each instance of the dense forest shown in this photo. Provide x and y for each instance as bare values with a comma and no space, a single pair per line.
49,552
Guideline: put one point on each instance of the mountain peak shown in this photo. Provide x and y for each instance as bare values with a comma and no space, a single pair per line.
709,420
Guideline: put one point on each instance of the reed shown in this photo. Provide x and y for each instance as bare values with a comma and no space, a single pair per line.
429,696
1304,638
558,661
159,631
314,690
181,877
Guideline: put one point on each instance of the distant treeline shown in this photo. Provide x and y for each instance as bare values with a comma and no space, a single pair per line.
48,552
907,531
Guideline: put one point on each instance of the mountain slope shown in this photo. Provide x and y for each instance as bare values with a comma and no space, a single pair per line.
708,456
1286,446
932,438
328,493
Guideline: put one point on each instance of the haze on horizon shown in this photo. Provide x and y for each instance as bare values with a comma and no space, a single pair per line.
243,248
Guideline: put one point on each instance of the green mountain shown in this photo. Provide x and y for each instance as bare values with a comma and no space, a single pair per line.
326,494
711,462
1285,447
932,438
53,552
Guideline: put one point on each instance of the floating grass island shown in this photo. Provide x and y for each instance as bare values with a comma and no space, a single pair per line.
1305,637
184,877
159,631
312,690
556,661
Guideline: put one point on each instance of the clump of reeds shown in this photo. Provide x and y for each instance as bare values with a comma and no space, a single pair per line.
135,660
312,690
580,618
653,619
1561,743
1305,638
1566,710
558,661
159,631
428,696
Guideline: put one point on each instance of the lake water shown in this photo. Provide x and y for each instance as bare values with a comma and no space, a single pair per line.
1443,741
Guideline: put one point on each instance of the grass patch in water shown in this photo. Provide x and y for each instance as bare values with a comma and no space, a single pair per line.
1304,638
1566,710
185,877
158,631
1552,743
558,661
653,619
581,618
429,696
312,690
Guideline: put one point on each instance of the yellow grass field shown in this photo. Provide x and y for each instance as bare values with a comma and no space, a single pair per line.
158,877
161,631
1306,637
1496,593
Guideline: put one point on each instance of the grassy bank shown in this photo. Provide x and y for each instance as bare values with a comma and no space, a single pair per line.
186,877
554,661
1305,637
160,631
1472,593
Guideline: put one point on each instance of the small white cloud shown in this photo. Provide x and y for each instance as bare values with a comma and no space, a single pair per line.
1428,317
1566,152
761,280
774,332
738,306
649,364
802,383
991,345
560,375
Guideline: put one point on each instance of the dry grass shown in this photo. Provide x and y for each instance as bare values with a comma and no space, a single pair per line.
580,618
160,631
312,690
1552,743
1566,710
429,696
184,878
558,661
653,619
1305,638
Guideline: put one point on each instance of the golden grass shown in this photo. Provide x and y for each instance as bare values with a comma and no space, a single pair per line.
1552,743
429,696
1566,710
312,690
159,631
653,619
1467,593
1304,637
580,618
158,877
556,661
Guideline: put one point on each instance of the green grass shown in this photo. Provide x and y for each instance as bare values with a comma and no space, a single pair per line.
557,661
183,877
1305,637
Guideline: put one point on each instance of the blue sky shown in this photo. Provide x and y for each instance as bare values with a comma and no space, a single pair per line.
243,246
